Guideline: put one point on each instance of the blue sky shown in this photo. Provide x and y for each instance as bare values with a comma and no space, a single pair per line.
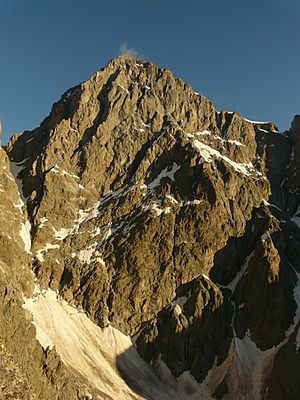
243,55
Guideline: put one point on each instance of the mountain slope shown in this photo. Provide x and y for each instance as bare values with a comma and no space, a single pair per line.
174,223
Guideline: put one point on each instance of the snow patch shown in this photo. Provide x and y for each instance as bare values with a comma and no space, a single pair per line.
177,310
25,236
57,170
172,198
208,154
180,301
203,133
178,203
84,216
296,217
49,246
99,259
233,284
266,203
191,202
209,133
247,367
15,169
19,205
296,295
264,237
97,353
298,340
85,255
143,187
122,87
43,220
155,207
96,232
236,142
185,385
62,233
165,173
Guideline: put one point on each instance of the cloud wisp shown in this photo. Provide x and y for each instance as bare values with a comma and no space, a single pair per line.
128,52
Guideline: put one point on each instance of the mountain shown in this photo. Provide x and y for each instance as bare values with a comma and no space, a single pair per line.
150,247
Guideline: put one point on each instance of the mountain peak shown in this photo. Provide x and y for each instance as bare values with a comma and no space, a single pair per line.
162,219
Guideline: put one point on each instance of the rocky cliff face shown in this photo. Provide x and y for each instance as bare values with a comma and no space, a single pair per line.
162,218
26,371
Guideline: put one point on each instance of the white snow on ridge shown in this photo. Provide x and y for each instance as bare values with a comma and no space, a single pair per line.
209,133
263,130
208,153
255,122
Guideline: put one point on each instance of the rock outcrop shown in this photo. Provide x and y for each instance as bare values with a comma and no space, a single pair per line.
167,220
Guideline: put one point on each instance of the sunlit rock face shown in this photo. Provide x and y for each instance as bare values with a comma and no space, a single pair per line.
153,216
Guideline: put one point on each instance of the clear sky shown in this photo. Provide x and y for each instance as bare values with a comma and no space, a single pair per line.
244,55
